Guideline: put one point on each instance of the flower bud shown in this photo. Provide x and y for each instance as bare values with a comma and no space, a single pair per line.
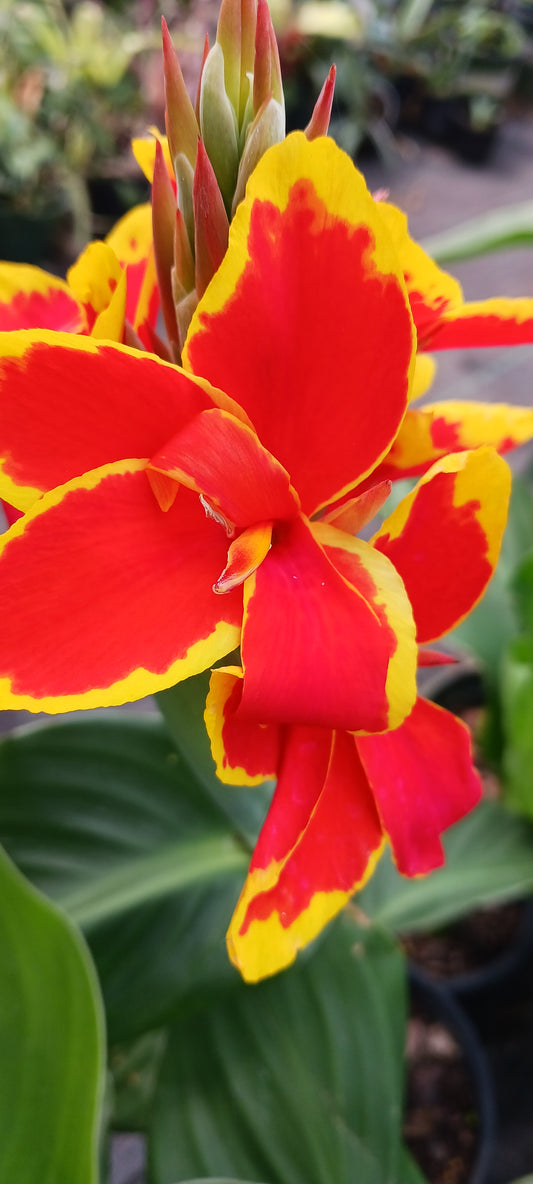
319,121
268,128
211,225
218,125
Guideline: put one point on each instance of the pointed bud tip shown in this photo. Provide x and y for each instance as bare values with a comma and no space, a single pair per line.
319,123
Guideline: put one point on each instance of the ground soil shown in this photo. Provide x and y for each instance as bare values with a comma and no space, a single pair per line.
442,1125
470,945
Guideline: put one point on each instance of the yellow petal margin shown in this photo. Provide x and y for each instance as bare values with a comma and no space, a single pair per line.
429,432
244,754
425,368
390,596
336,182
95,604
143,150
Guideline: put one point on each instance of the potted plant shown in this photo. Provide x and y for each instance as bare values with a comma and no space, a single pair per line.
69,100
160,530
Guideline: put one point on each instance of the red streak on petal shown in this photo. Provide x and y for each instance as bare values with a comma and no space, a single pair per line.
37,310
104,583
445,435
441,557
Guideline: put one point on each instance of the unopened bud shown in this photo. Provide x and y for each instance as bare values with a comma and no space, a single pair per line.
319,122
218,124
181,122
211,225
268,128
236,38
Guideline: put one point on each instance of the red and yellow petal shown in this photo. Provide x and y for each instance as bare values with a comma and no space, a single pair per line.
32,299
244,753
434,431
444,538
131,239
328,634
498,321
98,283
432,292
144,306
104,598
443,319
293,323
69,404
425,368
225,461
423,780
356,512
319,844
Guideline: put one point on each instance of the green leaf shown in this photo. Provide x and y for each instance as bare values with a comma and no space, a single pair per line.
508,226
517,708
51,1037
489,857
103,815
297,1078
133,1075
523,590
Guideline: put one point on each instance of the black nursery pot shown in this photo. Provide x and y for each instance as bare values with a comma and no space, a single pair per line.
493,991
450,1125
504,966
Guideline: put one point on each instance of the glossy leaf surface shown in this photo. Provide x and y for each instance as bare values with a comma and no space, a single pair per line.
51,1036
104,816
517,714
299,1078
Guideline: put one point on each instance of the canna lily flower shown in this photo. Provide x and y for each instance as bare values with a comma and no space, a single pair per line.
340,796
112,285
171,513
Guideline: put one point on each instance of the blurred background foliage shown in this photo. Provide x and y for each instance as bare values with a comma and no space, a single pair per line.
69,102
437,66
78,79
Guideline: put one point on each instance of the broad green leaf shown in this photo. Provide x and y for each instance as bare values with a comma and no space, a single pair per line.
517,708
133,1071
508,226
51,1037
489,857
103,815
296,1079
523,591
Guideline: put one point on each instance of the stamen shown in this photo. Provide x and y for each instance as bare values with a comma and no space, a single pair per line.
218,517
